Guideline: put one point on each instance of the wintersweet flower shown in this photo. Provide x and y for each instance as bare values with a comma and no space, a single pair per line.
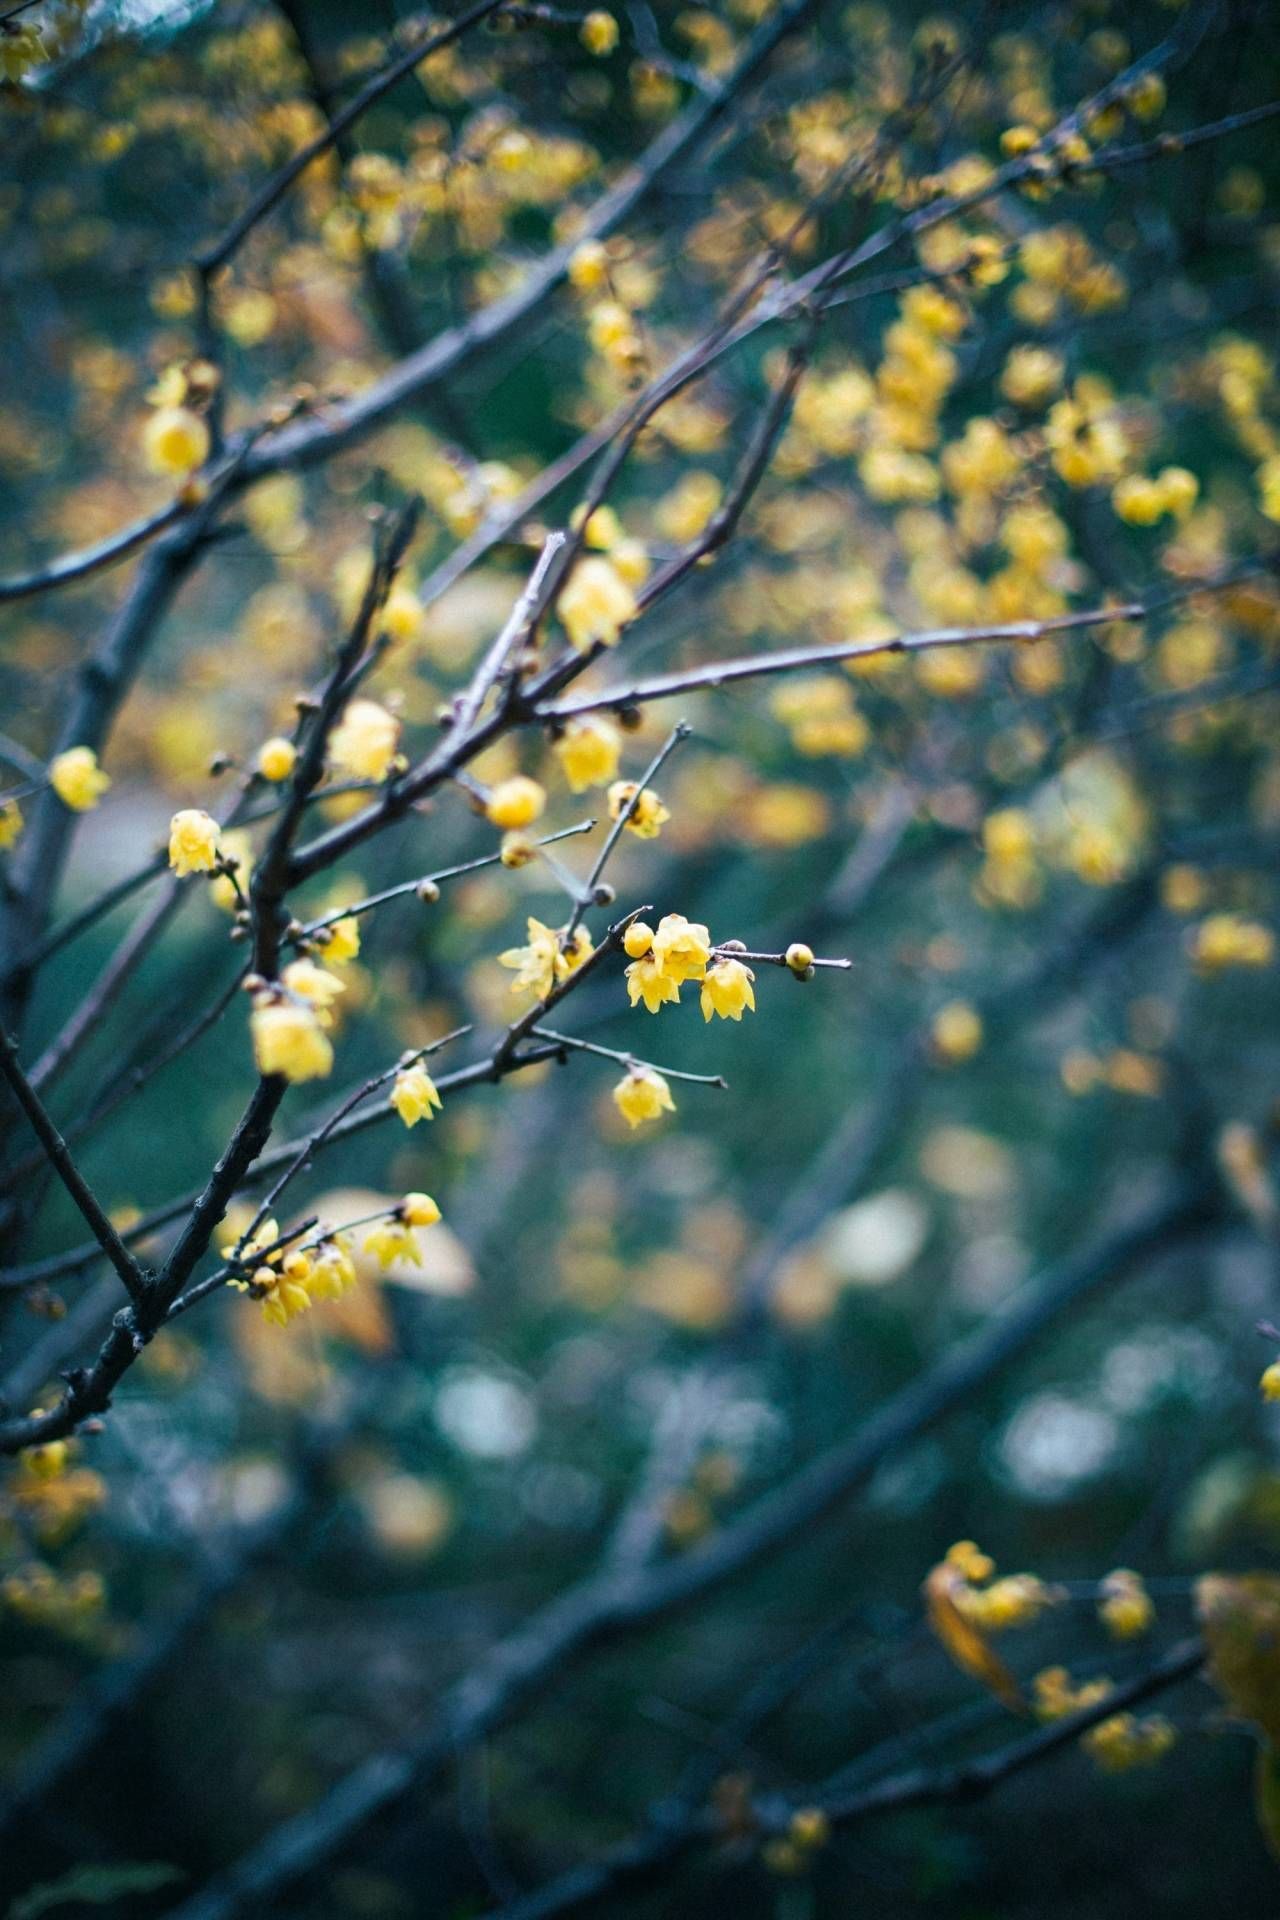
175,440
1125,1610
419,1210
77,779
333,1271
588,752
235,849
289,1040
414,1096
194,842
544,962
393,1240
315,985
681,948
646,981
342,940
516,802
647,817
641,1095
727,990
276,758
10,823
596,604
957,1032
363,744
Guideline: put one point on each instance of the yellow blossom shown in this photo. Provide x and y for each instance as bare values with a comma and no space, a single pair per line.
414,1096
333,1271
276,758
175,440
588,752
642,1094
681,948
314,984
342,940
637,940
235,849
647,817
419,1210
1230,940
77,779
516,802
596,603
1125,1608
393,1240
194,843
1137,500
363,744
646,981
544,962
1269,1384
727,990
1031,376
799,957
288,1039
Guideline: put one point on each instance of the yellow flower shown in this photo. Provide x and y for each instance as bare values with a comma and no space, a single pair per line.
194,843
1008,835
77,779
637,940
648,816
1138,501
175,440
727,989
393,1240
1229,940
799,957
543,963
288,1039
596,604
516,802
588,751
1125,1609
599,32
1179,490
282,1294
363,744
1031,376
276,758
10,823
314,985
1269,1384
588,267
642,1094
342,940
681,948
333,1271
957,1032
646,981
413,1095
419,1210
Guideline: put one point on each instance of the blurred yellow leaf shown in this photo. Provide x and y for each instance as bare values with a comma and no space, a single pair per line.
1240,1614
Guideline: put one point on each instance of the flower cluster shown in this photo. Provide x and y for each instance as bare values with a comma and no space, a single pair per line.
680,950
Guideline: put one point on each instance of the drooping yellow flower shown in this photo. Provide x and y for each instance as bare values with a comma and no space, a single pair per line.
333,1271
276,758
342,942
315,985
175,440
1269,1384
543,963
363,744
288,1039
596,603
727,990
1230,940
681,948
1125,1608
414,1096
516,803
282,1293
77,779
419,1210
646,981
648,816
10,823
641,1095
393,1240
588,752
194,842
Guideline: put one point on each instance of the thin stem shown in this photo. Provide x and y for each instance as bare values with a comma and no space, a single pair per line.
59,1156
627,1059
626,814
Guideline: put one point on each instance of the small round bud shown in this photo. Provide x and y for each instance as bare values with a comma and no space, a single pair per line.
799,958
276,758
517,850
733,946
428,892
604,895
637,939
252,983
296,1265
630,719
220,762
